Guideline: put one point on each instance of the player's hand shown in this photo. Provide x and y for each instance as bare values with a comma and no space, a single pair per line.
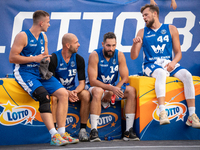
170,66
137,39
173,4
48,58
117,91
153,2
39,58
107,96
73,96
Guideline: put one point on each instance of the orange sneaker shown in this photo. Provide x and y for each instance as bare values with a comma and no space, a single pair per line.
70,139
57,140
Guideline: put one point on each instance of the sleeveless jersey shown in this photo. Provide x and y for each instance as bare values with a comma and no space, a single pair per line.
107,70
157,44
34,47
66,72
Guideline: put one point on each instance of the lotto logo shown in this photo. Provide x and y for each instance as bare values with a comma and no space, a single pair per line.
72,120
13,115
106,119
174,110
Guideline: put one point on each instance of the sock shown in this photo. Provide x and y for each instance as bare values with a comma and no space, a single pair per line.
191,110
94,121
83,125
161,108
129,121
55,125
61,130
53,132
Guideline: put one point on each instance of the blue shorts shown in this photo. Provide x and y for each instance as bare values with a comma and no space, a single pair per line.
151,67
30,82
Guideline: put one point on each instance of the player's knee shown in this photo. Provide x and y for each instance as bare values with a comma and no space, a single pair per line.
85,96
43,97
131,90
159,73
97,92
61,94
45,108
188,75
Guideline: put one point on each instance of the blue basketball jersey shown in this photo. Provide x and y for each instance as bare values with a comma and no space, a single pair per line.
157,44
107,70
66,72
28,75
34,47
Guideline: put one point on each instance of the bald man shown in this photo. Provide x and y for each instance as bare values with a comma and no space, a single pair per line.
64,64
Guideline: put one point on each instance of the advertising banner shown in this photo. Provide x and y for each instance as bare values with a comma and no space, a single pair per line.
19,117
89,20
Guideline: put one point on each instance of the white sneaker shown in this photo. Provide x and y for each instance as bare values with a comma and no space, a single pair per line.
193,121
163,118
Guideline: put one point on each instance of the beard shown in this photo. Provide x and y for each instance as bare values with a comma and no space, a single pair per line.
72,50
109,55
150,23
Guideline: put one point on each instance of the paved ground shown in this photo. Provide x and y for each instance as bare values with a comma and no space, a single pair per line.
115,145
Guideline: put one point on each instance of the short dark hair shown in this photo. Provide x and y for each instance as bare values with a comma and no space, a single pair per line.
151,7
109,35
38,14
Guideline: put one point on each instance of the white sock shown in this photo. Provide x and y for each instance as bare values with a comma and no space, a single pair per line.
161,108
61,130
53,132
94,121
191,110
129,121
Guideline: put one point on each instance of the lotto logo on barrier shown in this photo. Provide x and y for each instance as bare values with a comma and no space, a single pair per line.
174,110
106,119
19,116
109,122
13,115
16,105
147,116
72,120
73,117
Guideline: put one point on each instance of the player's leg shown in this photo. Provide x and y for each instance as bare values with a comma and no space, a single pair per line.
54,102
61,114
84,97
95,111
186,77
43,97
33,85
55,88
160,88
62,100
130,109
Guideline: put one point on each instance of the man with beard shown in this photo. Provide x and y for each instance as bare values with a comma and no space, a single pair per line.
159,42
65,64
103,68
